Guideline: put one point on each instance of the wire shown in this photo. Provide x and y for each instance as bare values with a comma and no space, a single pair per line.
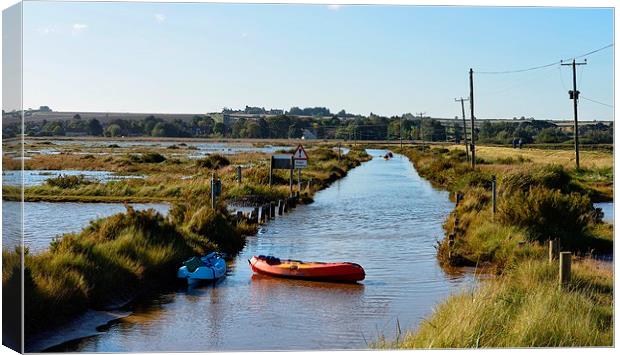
597,102
544,66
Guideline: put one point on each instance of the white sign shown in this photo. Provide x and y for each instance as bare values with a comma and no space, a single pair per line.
301,158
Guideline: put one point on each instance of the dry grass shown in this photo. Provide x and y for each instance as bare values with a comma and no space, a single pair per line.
588,158
523,308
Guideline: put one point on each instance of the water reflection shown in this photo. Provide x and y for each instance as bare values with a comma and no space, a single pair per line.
382,216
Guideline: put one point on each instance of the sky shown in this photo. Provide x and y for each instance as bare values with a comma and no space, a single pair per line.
389,60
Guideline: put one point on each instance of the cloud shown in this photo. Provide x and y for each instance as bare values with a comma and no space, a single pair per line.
160,18
78,28
334,7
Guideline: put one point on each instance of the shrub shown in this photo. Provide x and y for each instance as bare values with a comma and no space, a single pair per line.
152,158
547,214
214,225
68,181
215,161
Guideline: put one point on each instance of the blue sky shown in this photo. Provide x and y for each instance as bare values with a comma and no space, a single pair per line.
179,57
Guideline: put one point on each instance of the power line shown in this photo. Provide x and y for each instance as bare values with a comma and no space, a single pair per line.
597,102
546,65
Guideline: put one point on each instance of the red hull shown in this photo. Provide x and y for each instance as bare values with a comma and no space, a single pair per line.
333,272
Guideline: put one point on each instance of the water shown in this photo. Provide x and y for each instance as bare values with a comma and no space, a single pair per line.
382,216
38,177
43,221
608,211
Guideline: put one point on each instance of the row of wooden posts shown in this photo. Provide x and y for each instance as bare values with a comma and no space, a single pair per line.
268,211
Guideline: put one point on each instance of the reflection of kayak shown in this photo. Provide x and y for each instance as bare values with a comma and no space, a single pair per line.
336,272
209,267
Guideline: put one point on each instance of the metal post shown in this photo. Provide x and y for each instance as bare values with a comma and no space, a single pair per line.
298,179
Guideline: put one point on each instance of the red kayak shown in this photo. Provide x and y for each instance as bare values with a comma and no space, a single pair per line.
335,272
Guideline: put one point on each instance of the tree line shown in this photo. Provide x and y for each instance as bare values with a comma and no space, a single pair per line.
340,126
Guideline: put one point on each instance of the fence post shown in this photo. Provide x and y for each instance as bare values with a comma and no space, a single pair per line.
239,173
272,209
494,194
280,207
565,265
553,249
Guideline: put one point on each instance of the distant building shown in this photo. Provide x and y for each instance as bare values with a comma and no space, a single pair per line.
275,111
45,109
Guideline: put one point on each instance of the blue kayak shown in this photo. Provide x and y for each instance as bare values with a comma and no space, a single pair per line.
206,268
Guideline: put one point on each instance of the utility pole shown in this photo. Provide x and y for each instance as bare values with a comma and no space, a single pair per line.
574,95
462,100
471,106
421,115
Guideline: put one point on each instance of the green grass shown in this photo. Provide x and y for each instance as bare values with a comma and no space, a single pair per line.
535,203
523,308
115,260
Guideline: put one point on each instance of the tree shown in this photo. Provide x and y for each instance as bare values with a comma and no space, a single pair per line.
94,127
219,128
113,130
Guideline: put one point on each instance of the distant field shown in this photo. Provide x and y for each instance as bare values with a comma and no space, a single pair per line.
565,157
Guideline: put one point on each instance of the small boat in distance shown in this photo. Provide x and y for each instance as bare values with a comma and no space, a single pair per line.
317,271
206,268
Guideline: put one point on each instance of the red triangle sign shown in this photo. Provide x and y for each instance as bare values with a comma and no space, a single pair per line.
300,153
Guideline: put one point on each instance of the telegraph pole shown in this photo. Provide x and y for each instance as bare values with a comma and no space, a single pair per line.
574,95
471,106
464,125
421,114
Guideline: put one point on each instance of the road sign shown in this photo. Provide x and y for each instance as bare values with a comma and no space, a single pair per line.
300,157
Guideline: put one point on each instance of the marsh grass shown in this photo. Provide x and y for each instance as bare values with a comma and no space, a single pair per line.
523,308
115,260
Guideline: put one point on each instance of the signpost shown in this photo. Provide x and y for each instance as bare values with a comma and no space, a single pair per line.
300,159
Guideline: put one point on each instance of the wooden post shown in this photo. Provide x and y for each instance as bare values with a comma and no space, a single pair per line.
285,207
239,216
239,173
565,261
213,191
494,194
272,209
553,249
255,215
280,207
271,170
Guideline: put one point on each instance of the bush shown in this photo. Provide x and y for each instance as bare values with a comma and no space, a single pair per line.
152,158
215,161
548,214
214,225
550,176
68,181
